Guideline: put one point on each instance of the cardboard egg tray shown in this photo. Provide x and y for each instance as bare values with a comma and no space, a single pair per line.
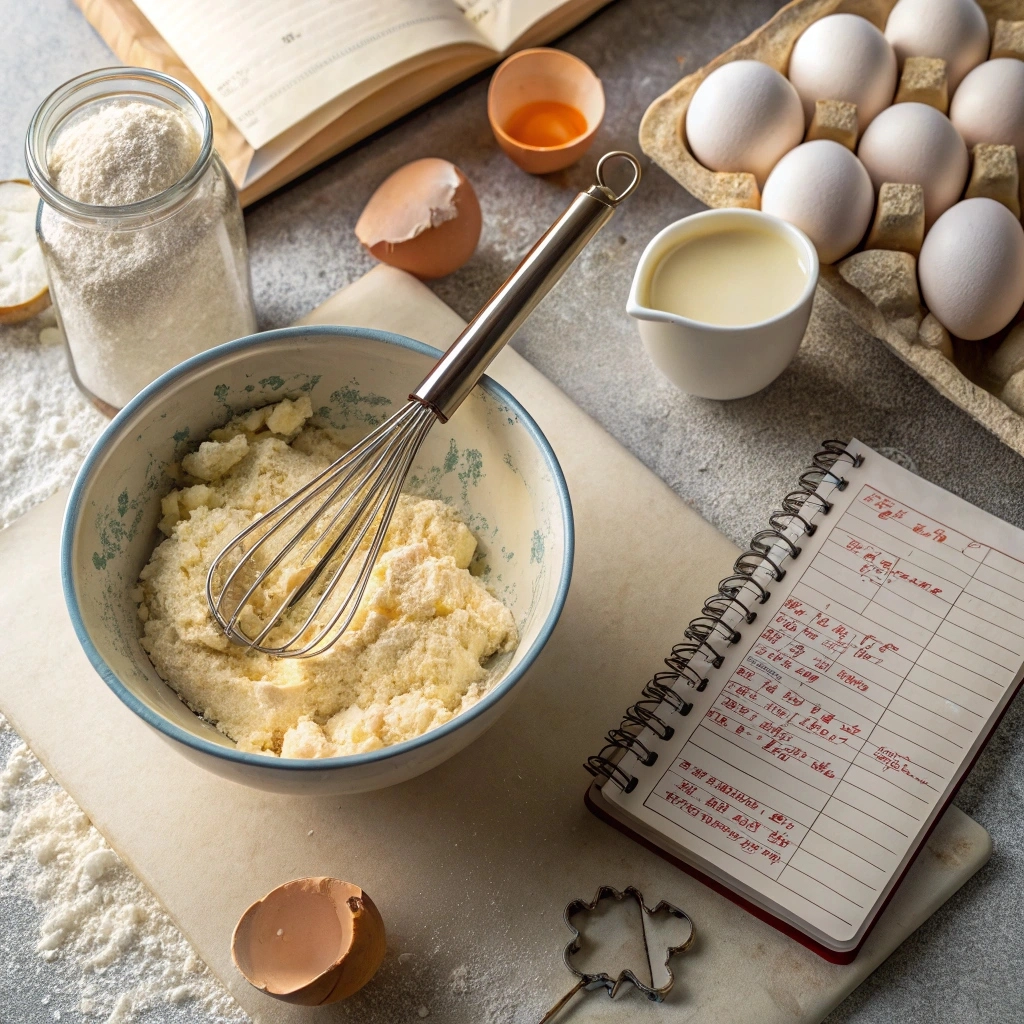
878,286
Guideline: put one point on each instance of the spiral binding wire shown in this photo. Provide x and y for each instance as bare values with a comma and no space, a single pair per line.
710,629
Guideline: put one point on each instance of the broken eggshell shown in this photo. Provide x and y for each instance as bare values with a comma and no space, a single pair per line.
24,291
424,218
310,941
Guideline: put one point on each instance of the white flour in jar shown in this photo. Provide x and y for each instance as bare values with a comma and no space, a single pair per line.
123,153
139,295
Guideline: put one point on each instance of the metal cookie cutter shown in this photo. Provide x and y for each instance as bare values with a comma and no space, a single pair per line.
591,982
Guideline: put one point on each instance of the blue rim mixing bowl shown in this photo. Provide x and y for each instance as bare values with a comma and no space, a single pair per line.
240,764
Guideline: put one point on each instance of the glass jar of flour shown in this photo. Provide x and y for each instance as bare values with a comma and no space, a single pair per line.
140,227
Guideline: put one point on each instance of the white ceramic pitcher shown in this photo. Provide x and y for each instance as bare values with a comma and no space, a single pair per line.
709,360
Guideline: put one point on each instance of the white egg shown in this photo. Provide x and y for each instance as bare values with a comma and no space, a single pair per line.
913,143
971,268
844,57
955,30
823,189
989,105
743,117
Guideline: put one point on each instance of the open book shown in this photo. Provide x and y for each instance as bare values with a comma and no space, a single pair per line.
292,82
819,716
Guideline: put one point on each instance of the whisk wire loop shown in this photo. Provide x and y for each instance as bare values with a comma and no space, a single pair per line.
291,600
365,484
343,616
387,491
293,504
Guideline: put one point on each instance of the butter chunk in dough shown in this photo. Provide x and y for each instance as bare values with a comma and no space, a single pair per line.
287,417
215,458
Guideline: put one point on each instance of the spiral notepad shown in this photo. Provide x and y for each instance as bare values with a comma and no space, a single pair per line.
821,711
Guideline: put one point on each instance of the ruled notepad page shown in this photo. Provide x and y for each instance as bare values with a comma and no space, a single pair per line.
830,738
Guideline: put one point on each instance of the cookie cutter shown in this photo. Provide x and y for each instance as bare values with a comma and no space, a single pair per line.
592,982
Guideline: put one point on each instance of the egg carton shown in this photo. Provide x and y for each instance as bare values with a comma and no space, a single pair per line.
877,286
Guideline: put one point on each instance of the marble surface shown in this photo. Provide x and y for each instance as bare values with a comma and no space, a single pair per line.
731,461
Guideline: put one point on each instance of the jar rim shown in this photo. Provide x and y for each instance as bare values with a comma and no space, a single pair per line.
60,104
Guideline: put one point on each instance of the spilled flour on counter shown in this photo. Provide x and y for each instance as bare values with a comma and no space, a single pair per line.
98,923
46,425
105,951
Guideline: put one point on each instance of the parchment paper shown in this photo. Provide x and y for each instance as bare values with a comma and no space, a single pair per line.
472,863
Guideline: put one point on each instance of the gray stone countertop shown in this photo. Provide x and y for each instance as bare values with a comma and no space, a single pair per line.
731,461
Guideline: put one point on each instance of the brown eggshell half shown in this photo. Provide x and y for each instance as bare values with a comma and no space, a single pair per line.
311,941
25,310
425,218
22,311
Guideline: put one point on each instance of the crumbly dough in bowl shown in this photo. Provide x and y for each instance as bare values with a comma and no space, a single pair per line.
414,656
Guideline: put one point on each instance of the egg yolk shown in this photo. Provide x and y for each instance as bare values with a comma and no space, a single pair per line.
546,124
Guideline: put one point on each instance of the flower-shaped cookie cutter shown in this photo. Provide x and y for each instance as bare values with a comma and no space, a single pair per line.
591,982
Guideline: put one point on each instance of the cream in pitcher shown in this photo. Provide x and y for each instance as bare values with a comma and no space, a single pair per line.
729,278
722,300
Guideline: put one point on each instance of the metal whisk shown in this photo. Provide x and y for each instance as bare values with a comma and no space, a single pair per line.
291,583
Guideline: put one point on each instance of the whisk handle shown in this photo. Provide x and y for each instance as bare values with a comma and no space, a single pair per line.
458,371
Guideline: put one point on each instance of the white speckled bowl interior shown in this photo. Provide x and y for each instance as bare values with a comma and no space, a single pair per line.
490,462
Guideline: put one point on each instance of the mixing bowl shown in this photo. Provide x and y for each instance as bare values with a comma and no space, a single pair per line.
490,462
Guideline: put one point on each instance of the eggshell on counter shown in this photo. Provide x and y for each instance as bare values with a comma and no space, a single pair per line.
971,268
743,117
912,143
823,189
989,105
311,941
24,291
844,57
955,30
425,218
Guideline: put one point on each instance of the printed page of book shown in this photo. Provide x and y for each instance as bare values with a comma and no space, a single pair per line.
830,738
369,106
272,65
502,22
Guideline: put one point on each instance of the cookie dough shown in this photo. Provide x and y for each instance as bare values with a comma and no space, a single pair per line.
414,657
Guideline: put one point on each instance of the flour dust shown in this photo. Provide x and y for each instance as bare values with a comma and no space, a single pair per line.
104,949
